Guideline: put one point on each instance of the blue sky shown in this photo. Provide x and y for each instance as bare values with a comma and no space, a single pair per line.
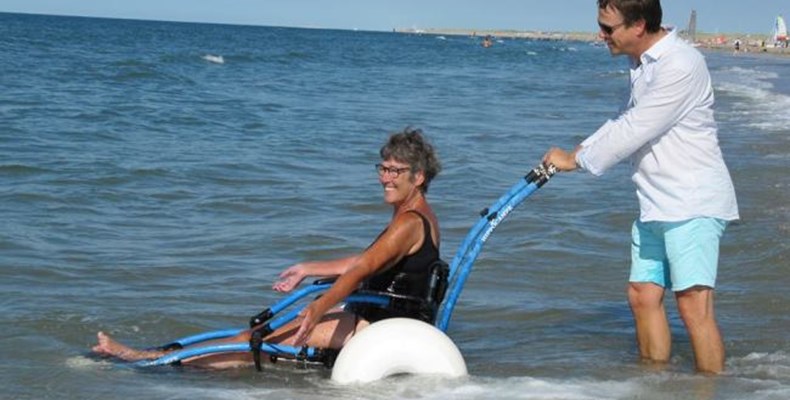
755,16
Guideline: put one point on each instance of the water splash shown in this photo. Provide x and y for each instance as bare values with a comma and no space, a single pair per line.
214,58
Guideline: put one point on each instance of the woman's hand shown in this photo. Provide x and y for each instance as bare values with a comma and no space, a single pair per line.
290,278
310,317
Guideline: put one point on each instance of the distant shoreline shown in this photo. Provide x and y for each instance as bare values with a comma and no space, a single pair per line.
502,33
749,43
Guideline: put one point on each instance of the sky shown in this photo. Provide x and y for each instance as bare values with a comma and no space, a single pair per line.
713,16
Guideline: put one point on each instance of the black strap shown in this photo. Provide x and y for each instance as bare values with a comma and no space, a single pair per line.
438,286
256,340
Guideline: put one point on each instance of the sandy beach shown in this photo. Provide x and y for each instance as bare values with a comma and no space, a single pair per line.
749,43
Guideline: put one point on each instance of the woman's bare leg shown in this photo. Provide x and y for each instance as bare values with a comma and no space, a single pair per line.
107,346
334,330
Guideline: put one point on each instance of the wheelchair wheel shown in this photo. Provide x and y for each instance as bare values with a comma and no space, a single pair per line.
397,346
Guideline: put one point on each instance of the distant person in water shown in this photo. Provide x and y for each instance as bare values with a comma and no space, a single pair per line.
686,196
487,41
402,253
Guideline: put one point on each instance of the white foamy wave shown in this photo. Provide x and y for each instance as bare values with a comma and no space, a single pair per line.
563,49
757,376
752,92
753,97
91,363
214,59
81,362
747,74
773,366
666,385
179,392
473,388
744,81
533,388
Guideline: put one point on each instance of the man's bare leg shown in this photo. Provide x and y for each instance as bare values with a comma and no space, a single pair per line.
696,309
652,328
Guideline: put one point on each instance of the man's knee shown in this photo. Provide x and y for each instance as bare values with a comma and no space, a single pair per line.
645,296
695,304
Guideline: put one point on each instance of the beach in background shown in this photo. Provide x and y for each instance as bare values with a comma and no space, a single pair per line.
748,42
155,178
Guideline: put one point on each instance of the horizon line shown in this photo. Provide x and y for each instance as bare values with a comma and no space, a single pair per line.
426,30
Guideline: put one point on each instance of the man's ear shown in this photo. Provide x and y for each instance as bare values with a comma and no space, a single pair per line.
641,26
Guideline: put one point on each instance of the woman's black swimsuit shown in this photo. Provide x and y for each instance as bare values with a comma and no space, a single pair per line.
411,277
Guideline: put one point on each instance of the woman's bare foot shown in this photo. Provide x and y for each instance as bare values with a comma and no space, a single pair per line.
107,346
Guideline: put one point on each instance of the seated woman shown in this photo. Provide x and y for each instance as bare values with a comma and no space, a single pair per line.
397,261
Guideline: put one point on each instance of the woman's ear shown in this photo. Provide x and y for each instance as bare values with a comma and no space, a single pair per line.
419,178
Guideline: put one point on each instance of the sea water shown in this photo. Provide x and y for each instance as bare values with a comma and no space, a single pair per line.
156,177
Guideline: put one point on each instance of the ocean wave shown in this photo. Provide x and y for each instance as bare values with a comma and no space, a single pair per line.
216,59
22,170
429,388
536,388
654,386
753,97
764,366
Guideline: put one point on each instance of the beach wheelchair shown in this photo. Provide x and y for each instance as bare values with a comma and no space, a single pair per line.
388,347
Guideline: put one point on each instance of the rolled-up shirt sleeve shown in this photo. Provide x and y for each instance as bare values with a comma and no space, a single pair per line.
667,98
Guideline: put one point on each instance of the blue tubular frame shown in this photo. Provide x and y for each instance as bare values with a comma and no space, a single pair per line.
460,268
277,350
176,357
491,217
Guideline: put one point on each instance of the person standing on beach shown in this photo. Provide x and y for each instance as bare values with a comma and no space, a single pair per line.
685,192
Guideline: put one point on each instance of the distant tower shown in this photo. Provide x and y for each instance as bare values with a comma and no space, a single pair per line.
692,28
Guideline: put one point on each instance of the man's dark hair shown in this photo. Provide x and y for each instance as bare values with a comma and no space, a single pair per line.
634,10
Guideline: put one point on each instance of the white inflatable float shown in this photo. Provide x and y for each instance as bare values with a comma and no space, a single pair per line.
397,346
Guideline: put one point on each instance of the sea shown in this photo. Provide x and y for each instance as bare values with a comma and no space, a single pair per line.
155,178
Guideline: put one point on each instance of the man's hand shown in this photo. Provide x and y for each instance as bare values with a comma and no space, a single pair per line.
563,160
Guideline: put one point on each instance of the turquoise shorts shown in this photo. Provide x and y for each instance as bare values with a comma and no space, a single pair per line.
676,255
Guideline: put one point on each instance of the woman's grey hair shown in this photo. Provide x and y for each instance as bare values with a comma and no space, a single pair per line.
411,147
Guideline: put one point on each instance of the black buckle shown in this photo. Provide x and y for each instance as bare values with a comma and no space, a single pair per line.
256,339
261,317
